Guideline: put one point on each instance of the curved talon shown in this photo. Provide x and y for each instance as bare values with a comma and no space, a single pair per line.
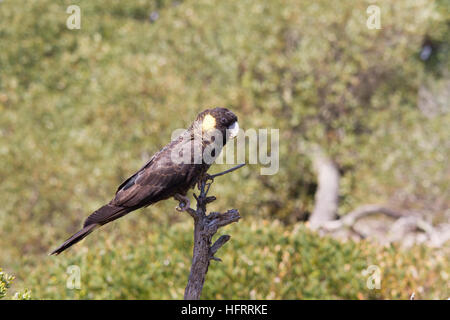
184,204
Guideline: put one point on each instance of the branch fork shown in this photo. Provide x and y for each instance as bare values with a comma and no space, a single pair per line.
205,227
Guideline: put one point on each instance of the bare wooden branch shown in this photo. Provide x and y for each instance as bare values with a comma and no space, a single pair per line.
226,171
370,209
406,226
217,245
205,227
363,211
327,195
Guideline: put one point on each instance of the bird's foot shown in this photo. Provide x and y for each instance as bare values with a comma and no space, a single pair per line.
184,204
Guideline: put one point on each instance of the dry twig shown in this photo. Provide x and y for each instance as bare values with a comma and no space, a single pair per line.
205,226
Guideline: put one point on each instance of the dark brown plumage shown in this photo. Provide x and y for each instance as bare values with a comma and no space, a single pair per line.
164,175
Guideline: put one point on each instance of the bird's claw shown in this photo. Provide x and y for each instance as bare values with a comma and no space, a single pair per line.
181,207
184,204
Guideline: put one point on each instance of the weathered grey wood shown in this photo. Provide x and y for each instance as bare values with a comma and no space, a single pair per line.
205,227
327,194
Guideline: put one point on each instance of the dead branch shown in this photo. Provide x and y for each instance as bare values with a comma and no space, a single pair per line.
407,227
205,227
327,195
351,218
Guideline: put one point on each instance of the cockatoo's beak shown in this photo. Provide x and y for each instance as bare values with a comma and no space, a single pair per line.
233,129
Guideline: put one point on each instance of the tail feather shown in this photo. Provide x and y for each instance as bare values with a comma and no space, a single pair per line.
105,214
75,238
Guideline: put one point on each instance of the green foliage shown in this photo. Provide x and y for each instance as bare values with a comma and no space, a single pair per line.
80,110
5,283
263,260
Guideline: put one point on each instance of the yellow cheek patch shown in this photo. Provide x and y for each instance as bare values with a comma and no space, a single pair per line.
209,122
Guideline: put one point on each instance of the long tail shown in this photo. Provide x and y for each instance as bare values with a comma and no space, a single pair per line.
100,217
75,238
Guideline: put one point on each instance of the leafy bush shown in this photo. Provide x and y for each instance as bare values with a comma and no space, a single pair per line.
263,260
83,109
5,283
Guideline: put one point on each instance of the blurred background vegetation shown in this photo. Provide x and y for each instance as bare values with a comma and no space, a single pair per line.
81,110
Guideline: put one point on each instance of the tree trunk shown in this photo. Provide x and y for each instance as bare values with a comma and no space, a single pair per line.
205,227
326,198
200,263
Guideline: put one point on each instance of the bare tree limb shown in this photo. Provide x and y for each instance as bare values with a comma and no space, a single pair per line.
363,211
408,226
217,245
205,227
327,194
226,171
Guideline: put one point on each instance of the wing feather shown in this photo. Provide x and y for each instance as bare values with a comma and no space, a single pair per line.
155,181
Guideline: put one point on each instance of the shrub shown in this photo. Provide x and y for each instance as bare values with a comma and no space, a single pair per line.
5,283
263,260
